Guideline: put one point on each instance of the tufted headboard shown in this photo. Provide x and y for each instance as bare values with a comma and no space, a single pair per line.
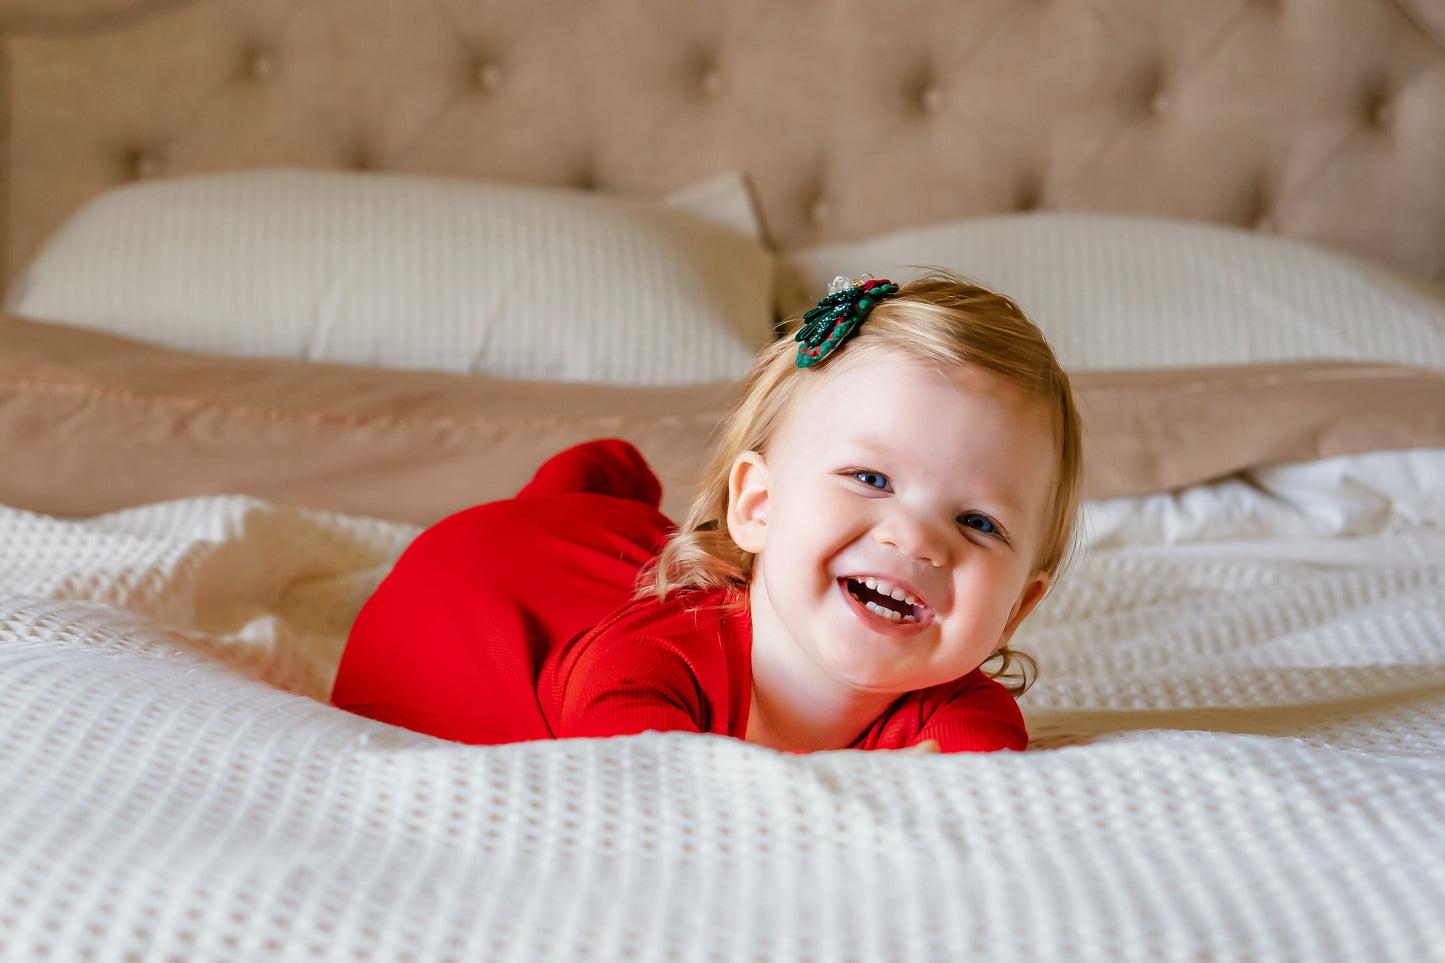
1319,119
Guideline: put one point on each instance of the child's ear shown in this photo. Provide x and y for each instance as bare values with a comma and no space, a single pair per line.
1031,596
748,501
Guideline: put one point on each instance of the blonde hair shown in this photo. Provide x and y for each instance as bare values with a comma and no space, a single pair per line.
941,320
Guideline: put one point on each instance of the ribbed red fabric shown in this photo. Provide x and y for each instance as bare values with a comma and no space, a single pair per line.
515,621
452,640
686,665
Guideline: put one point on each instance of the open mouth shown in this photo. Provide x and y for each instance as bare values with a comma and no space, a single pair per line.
885,600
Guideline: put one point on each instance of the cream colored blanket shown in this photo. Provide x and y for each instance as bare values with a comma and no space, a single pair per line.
1239,754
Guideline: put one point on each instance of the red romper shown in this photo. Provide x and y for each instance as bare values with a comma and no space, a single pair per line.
515,620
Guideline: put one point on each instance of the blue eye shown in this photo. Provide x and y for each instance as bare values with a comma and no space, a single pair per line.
872,479
979,523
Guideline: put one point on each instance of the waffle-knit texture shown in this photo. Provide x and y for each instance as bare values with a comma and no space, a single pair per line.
1236,757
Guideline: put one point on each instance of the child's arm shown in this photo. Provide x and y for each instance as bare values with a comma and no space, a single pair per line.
981,716
622,689
971,714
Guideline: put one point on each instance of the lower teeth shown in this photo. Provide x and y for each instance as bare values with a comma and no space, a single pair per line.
887,613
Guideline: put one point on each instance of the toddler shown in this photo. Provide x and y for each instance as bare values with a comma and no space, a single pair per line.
892,496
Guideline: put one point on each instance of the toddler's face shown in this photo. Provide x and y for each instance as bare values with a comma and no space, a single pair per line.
896,522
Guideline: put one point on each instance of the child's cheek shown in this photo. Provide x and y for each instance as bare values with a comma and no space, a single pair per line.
828,520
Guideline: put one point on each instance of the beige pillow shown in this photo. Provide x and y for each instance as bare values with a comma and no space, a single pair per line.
419,272
91,422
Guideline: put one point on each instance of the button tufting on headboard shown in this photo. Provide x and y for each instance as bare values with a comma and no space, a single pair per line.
585,176
142,164
1382,114
487,75
850,117
260,65
711,81
1029,195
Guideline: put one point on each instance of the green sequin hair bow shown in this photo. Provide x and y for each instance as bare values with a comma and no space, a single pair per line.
838,316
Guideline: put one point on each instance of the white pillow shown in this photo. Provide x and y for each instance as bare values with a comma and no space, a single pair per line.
1144,292
418,272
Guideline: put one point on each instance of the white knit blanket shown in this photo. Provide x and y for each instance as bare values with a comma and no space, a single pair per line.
1239,754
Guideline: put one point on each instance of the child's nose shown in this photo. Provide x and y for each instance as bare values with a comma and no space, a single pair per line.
915,537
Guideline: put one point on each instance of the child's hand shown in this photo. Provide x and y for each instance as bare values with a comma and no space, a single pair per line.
918,749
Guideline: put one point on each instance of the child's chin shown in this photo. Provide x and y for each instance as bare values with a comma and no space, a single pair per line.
864,663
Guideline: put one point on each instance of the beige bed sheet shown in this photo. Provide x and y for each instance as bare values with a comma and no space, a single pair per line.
92,422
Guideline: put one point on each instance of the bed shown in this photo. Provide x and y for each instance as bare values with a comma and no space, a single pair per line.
289,280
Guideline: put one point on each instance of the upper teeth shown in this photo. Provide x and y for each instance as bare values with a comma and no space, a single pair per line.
887,588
